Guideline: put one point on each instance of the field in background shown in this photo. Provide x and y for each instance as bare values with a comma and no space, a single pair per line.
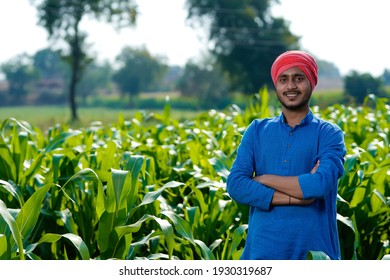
107,110
45,117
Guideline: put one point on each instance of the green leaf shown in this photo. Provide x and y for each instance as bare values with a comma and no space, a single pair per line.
105,227
181,225
107,160
59,139
206,252
346,221
136,165
317,255
386,257
13,225
193,149
7,164
52,238
193,214
13,190
136,246
264,109
118,184
165,226
350,162
200,198
238,235
79,244
28,215
5,254
150,197
167,230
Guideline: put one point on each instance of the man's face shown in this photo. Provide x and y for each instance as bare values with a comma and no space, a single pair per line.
293,89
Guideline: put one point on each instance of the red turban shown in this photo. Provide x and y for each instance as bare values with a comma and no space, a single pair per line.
300,59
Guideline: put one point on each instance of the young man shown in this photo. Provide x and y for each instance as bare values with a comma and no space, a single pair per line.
287,170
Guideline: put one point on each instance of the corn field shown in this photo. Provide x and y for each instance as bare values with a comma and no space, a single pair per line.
153,187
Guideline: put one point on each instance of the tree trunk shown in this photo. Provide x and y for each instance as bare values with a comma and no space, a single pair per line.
72,93
76,56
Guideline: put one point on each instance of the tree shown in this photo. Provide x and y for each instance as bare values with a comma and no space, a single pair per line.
386,77
19,72
358,86
206,82
329,76
328,69
54,75
97,77
138,69
246,38
62,19
50,65
168,83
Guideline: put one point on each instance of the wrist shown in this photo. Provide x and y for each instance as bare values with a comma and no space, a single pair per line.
259,179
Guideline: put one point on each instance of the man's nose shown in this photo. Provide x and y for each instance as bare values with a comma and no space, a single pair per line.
291,84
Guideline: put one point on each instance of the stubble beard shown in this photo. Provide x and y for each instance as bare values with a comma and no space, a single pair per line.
295,107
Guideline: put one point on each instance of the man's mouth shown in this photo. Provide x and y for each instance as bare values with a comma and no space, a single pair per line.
292,94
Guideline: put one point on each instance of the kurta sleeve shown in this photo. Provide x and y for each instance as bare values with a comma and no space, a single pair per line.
331,155
240,184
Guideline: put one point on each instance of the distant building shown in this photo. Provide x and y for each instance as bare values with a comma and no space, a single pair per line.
4,86
329,83
52,86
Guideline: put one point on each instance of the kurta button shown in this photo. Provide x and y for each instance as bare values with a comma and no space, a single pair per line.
291,133
285,160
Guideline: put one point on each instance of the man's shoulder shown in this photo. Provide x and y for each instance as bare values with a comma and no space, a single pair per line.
326,124
262,121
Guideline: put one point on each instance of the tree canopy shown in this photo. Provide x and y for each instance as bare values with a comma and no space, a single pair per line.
245,38
19,72
62,19
358,86
205,81
138,70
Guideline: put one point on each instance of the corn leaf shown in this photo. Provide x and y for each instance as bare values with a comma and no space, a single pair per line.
317,255
15,230
52,238
29,213
181,225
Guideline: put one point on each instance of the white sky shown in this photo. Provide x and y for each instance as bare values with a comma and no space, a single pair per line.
353,34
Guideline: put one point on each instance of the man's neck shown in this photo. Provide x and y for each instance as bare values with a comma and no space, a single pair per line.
292,118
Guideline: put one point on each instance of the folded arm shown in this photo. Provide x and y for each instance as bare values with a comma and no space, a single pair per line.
280,198
287,188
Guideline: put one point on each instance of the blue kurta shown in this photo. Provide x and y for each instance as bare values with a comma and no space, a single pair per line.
271,146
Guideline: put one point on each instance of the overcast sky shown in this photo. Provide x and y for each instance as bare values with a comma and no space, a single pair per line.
352,34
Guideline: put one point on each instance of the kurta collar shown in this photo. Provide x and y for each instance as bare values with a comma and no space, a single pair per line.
306,120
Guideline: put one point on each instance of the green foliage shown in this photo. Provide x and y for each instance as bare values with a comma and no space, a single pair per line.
363,206
62,20
19,73
206,83
246,38
386,77
138,70
153,187
359,86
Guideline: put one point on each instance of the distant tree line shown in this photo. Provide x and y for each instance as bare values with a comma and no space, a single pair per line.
44,78
244,41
